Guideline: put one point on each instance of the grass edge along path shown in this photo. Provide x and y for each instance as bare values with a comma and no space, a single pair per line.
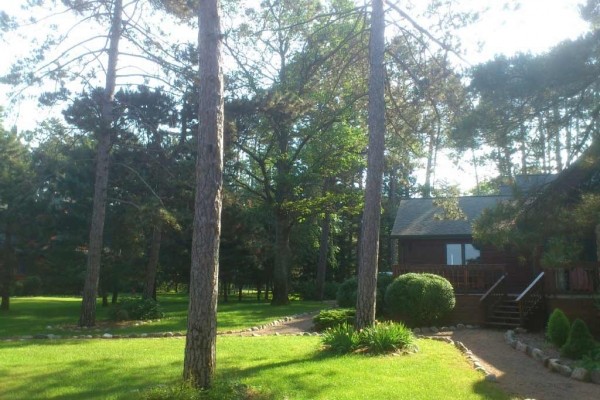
58,316
277,367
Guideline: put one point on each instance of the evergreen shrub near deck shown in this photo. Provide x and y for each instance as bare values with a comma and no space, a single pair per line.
579,342
420,299
558,328
346,294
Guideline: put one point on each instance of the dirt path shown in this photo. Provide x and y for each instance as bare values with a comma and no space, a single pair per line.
516,373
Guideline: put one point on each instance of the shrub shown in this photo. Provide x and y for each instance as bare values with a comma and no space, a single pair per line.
220,390
558,328
307,290
346,294
330,318
135,309
387,337
32,286
591,360
579,342
420,299
341,339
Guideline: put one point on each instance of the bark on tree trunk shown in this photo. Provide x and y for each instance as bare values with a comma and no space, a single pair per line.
90,289
369,240
7,266
152,267
200,347
323,253
282,260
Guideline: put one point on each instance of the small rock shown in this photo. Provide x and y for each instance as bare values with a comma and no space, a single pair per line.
256,334
580,374
595,376
460,326
88,336
306,334
434,329
107,336
521,346
40,336
565,370
520,330
451,328
134,335
491,378
425,329
168,334
461,347
537,354
480,369
143,335
277,334
417,330
49,327
554,364
444,329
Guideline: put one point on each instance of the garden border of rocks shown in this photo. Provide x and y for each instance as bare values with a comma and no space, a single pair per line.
553,364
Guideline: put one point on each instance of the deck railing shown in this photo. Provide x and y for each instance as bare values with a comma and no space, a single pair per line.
531,297
474,278
580,278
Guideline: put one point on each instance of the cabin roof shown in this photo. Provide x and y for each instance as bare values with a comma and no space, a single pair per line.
421,217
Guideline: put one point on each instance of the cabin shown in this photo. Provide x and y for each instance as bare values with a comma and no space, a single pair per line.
494,286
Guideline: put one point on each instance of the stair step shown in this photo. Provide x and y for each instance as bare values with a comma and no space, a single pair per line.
502,324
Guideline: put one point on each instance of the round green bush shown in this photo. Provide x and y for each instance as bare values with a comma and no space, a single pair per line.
579,342
346,294
419,299
558,328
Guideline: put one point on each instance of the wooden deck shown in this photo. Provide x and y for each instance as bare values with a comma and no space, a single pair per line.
475,278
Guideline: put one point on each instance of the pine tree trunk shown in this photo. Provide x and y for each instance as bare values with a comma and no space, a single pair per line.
282,259
7,266
369,239
200,347
90,289
152,267
323,253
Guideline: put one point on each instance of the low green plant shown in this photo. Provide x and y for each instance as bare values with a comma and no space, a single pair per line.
387,337
135,309
380,338
341,339
579,342
420,299
330,318
558,328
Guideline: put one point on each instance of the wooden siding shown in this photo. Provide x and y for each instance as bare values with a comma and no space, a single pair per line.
415,252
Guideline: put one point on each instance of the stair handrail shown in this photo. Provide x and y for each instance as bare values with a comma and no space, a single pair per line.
530,287
493,288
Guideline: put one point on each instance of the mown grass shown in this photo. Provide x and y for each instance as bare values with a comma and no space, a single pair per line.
32,315
287,367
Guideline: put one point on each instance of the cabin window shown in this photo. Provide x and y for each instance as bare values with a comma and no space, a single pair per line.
461,254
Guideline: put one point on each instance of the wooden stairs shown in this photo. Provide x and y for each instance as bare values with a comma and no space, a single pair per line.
511,311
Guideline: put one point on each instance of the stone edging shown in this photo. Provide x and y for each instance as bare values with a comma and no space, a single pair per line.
553,364
107,335
459,345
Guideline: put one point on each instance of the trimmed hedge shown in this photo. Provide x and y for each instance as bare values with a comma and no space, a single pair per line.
420,299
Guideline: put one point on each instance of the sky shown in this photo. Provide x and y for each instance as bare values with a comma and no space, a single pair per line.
523,26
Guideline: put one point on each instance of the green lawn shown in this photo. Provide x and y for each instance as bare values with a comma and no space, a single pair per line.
287,367
32,315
